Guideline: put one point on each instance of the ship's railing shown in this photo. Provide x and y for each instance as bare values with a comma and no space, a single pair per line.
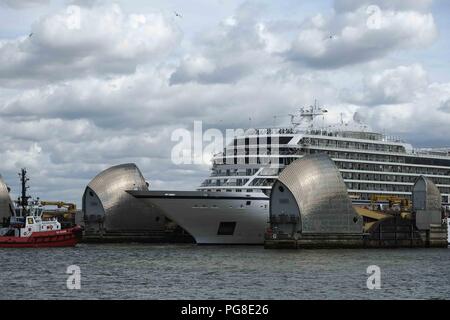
364,135
230,174
438,152
269,131
392,139
331,132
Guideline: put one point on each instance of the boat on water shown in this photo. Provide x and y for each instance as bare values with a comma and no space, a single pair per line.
32,231
232,205
26,224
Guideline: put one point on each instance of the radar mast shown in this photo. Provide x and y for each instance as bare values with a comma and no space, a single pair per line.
306,115
23,200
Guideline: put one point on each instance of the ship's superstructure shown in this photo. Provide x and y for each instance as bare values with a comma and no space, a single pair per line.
370,162
232,205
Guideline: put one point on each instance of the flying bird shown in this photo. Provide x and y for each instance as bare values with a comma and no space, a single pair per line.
30,35
178,14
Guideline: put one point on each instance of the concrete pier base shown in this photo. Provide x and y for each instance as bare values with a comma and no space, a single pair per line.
317,241
392,235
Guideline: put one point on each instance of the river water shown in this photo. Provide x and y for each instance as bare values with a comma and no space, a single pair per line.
138,271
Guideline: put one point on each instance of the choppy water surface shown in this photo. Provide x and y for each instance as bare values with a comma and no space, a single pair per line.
217,272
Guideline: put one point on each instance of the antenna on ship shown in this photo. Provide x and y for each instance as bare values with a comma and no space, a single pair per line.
23,200
307,115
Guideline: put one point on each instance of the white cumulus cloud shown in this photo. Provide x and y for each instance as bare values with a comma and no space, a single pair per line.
351,37
80,41
392,86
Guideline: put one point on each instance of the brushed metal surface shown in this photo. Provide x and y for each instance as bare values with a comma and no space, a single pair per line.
426,203
321,195
107,205
426,196
6,204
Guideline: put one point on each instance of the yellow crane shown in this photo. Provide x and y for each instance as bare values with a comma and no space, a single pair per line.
67,215
403,203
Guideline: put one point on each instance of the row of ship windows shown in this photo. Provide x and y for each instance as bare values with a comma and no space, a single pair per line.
386,187
234,172
362,156
266,159
362,167
386,158
347,176
244,204
230,190
368,196
263,160
238,182
352,186
262,140
226,182
321,143
391,168
258,150
352,145
389,178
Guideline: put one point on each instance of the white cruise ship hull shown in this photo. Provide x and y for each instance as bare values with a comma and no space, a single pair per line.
214,218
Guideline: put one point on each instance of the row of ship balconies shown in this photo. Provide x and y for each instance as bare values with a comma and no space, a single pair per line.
359,186
364,186
359,146
279,142
366,168
248,157
348,176
390,168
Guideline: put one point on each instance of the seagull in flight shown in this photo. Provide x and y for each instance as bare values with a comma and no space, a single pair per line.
178,14
30,35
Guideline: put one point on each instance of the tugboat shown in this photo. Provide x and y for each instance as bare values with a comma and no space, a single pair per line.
28,229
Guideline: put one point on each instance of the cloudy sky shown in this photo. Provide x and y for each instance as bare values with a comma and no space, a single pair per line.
87,84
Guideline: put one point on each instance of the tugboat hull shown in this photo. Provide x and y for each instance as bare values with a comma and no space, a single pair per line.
57,238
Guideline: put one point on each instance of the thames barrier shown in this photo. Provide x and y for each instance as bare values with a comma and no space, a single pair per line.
310,208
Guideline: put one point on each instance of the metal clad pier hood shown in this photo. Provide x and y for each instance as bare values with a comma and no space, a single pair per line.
426,203
310,197
6,204
107,205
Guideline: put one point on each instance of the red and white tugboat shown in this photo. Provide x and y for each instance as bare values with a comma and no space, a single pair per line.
31,231
27,228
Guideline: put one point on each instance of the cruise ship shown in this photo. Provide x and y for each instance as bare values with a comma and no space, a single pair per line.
232,205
